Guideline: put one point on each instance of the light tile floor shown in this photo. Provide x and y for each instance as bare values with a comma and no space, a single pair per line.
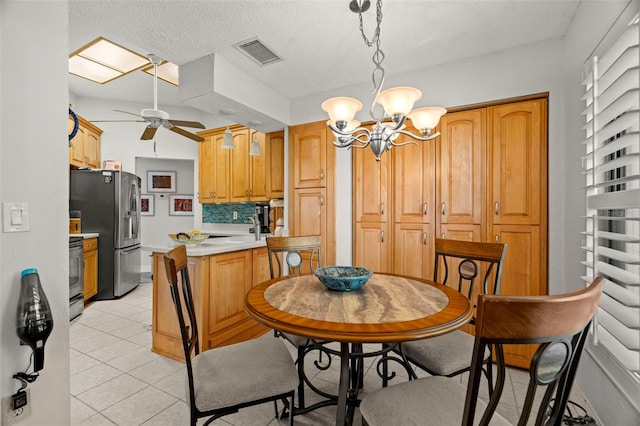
116,379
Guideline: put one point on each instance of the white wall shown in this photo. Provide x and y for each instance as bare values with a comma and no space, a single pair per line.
154,229
34,169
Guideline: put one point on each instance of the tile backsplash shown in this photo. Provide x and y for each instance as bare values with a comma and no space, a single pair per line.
223,212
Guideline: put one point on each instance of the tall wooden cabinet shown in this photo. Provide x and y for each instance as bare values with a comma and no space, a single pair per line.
483,179
90,250
84,148
312,185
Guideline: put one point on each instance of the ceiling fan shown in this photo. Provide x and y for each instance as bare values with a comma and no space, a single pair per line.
157,118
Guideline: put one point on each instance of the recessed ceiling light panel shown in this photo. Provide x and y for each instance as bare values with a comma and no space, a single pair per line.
93,60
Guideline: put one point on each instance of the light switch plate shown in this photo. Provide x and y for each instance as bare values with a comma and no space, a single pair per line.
15,217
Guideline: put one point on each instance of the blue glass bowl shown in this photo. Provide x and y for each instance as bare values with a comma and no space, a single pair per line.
343,278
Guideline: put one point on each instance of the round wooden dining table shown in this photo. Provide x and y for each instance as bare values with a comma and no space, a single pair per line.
388,309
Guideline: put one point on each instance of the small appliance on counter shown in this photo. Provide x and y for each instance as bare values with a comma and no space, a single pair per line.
75,222
262,210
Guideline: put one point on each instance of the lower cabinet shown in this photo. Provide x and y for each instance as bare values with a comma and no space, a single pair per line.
90,248
219,284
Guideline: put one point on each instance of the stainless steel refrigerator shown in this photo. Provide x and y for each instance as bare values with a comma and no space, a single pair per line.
110,205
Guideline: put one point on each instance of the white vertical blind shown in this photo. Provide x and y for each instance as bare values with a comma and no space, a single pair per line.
611,168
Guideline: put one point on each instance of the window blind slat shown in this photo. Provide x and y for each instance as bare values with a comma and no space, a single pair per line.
628,39
614,200
622,295
629,359
630,122
628,258
628,337
628,101
618,88
627,277
628,61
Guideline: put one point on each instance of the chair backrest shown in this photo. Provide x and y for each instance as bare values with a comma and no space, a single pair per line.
175,262
475,263
296,252
558,323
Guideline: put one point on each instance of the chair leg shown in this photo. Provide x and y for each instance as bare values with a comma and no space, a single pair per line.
291,410
300,377
489,374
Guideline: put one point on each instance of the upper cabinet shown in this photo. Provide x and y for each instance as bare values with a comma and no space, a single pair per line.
84,148
232,175
274,156
309,155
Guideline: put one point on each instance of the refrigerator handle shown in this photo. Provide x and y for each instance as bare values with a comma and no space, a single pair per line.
134,211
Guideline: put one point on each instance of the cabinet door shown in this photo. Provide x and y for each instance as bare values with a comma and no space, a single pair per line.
412,250
239,168
461,165
206,157
309,213
372,242
221,170
274,153
371,186
518,150
76,150
308,155
413,181
260,268
90,268
229,282
461,232
257,169
522,274
92,149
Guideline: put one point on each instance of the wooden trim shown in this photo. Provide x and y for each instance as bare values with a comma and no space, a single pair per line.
89,125
543,95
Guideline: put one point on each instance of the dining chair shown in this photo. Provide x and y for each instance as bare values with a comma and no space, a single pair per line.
296,255
223,380
559,324
472,268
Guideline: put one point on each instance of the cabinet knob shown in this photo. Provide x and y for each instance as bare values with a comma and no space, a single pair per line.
444,208
497,208
497,239
424,238
381,208
425,209
321,174
322,200
382,236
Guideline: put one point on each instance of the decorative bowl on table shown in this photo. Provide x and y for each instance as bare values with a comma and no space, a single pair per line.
343,278
190,239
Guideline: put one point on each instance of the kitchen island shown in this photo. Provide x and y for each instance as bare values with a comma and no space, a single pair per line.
222,271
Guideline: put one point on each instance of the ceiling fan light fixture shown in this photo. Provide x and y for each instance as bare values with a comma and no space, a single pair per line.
227,140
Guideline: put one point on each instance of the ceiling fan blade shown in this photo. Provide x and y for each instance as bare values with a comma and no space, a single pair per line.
127,112
117,121
184,123
148,133
190,135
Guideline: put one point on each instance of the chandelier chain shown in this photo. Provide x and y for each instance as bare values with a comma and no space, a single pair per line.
377,76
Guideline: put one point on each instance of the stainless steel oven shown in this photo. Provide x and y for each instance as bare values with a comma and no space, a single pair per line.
76,277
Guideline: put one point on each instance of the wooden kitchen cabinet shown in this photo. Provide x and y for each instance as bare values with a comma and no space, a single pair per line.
372,186
309,155
488,181
274,153
261,271
312,185
219,284
231,175
90,249
84,149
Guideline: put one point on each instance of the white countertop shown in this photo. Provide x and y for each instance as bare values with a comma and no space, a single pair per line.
86,235
213,245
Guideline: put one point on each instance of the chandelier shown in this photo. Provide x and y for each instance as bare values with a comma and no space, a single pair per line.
396,102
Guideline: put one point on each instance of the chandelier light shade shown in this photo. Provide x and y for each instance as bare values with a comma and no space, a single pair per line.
255,147
227,140
396,102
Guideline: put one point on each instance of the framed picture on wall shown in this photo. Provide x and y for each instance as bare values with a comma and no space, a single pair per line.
161,181
181,205
147,207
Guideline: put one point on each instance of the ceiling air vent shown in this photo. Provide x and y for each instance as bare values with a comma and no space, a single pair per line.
258,51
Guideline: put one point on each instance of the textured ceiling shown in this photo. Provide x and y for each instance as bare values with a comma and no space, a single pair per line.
319,40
